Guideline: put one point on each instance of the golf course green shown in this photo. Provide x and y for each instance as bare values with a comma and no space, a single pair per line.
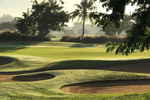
54,70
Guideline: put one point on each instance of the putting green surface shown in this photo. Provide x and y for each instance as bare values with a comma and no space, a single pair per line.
65,53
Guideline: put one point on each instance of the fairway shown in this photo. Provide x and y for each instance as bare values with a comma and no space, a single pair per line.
42,70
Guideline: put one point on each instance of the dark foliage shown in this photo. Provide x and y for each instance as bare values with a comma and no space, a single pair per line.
138,37
7,25
7,35
93,39
42,18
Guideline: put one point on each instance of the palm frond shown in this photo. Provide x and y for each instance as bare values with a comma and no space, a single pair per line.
75,14
78,6
83,9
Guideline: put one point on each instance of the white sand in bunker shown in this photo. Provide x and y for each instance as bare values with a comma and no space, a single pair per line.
109,87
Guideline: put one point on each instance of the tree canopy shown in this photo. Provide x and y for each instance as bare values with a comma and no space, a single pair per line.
43,17
125,24
138,37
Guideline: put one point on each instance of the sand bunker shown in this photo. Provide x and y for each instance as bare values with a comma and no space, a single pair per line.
108,87
7,78
15,78
33,77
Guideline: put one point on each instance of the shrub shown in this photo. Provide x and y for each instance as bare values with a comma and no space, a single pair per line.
93,39
7,35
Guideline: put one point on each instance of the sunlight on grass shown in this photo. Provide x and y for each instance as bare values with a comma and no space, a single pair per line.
61,53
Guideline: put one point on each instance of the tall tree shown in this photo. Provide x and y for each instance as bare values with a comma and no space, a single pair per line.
125,24
138,37
110,30
43,17
82,11
24,24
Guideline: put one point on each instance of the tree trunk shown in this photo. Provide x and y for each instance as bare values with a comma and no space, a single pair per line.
83,27
119,32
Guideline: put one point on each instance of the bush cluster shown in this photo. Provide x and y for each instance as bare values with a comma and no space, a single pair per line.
93,39
7,35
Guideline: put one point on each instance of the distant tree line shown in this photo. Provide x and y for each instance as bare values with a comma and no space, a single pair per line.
6,18
6,22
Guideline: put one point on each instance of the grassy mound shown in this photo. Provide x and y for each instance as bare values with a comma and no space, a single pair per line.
13,63
90,64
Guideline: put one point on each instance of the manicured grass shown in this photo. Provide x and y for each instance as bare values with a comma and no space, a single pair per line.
69,63
65,53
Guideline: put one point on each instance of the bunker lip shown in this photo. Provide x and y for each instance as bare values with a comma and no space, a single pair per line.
4,61
33,77
109,87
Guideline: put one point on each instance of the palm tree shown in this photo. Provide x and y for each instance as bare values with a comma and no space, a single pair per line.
82,11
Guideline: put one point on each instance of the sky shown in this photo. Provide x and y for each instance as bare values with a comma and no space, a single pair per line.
16,7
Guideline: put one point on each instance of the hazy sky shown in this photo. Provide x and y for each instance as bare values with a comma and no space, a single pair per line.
16,7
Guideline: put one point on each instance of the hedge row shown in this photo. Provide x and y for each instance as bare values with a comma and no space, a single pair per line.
7,35
93,39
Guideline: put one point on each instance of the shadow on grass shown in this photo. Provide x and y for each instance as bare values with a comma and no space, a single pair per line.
10,46
10,49
84,45
19,42
136,66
